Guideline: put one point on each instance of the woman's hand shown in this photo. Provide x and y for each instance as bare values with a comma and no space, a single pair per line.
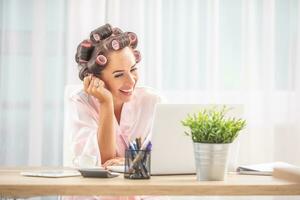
114,161
95,86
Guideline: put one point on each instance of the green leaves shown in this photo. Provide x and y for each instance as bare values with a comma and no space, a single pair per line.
211,126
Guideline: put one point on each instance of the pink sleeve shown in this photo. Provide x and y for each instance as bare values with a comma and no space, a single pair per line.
84,127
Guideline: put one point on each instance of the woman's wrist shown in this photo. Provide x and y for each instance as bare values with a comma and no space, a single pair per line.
105,99
107,105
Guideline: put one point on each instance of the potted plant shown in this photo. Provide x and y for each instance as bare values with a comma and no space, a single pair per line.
212,133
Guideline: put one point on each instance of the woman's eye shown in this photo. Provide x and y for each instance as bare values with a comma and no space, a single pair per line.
118,75
133,69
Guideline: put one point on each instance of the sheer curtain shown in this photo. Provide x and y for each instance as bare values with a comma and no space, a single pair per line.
32,77
196,51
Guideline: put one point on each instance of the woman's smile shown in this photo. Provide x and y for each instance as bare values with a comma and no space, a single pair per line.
126,92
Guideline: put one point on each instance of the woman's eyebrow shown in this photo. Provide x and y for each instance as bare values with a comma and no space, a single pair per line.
123,70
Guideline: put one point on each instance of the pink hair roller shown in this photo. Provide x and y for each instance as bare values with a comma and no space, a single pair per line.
96,37
101,60
115,45
133,39
86,44
137,56
84,51
82,61
101,33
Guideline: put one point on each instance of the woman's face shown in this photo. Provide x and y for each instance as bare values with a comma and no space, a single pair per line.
120,75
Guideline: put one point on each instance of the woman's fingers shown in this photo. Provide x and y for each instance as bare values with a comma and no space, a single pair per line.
121,161
101,83
96,87
86,82
114,161
107,163
91,85
98,83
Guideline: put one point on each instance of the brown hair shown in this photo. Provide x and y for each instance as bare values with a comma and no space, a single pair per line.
92,54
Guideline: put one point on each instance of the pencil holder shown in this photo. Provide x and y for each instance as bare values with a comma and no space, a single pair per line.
137,164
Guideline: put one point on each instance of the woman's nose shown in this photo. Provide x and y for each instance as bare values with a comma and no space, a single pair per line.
131,79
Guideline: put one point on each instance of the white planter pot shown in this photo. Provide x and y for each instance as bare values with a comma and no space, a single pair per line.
211,161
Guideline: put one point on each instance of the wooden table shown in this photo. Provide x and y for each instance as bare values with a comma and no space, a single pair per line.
12,184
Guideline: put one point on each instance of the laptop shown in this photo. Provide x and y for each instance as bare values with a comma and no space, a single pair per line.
172,150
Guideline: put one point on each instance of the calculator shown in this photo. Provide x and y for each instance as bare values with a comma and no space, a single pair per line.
97,173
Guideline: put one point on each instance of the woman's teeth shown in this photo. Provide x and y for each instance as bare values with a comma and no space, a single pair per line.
130,90
127,92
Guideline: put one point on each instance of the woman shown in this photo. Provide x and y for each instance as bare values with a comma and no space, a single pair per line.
110,110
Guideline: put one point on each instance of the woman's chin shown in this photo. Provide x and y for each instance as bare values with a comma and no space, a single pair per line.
125,97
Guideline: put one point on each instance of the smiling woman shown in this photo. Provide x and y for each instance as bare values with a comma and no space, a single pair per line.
110,109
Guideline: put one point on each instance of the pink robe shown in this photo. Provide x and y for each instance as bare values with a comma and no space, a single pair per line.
136,121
